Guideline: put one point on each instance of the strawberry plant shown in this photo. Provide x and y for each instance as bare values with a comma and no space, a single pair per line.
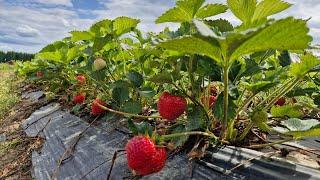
208,78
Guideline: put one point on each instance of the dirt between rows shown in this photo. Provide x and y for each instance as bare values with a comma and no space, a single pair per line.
15,147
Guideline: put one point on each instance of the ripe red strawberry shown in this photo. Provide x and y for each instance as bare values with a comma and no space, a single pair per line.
212,100
40,74
144,157
79,98
99,64
213,90
81,79
280,101
95,108
171,107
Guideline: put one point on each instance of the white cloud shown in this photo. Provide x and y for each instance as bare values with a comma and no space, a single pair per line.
39,26
5,48
146,10
27,31
52,2
53,19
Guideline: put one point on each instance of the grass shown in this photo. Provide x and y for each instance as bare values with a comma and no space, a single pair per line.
8,82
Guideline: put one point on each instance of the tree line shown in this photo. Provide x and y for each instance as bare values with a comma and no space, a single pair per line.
11,55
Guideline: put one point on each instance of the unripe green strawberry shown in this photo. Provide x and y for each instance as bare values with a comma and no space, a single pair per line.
144,157
171,107
99,64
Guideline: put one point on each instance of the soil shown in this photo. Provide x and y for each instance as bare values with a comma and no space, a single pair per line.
15,147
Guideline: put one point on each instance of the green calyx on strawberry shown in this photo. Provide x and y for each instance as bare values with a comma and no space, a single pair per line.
212,100
144,157
99,64
79,98
81,79
40,74
280,102
96,109
171,107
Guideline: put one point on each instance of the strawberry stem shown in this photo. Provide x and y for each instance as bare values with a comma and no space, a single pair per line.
127,114
259,146
169,136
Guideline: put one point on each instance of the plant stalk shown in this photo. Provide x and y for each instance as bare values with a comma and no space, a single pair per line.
259,146
245,103
169,136
128,114
225,98
246,131
285,91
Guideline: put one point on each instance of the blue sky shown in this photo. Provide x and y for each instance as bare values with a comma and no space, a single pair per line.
28,25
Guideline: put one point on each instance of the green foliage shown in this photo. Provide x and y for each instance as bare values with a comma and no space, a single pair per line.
80,36
135,78
300,128
284,34
243,9
122,25
242,69
194,45
292,111
132,107
308,62
11,55
187,10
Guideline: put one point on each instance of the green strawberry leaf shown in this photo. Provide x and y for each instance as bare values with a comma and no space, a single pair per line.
218,108
211,10
305,134
308,62
300,128
292,111
284,34
243,9
80,36
122,25
135,78
161,78
195,118
269,7
102,28
147,92
221,24
193,45
120,94
260,86
184,11
180,140
132,107
316,100
295,124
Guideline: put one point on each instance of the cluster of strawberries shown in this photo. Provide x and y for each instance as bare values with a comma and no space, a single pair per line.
80,98
143,155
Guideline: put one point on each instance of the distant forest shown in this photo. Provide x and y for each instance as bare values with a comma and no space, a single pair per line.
11,55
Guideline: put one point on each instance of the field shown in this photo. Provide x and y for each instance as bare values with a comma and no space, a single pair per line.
209,83
8,82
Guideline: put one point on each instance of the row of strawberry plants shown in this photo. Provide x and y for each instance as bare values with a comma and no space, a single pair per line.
208,78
